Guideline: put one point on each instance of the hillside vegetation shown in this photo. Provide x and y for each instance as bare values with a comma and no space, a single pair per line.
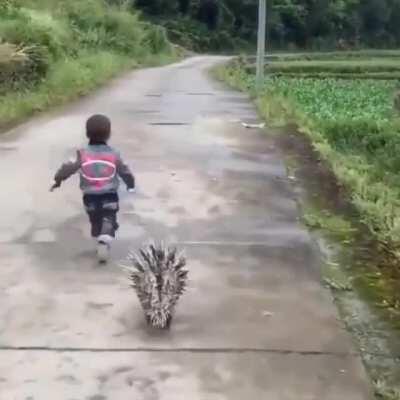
292,24
52,50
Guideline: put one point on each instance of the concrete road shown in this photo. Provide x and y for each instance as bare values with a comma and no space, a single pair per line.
256,322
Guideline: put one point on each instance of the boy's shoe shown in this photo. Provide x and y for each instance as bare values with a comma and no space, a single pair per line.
107,239
103,252
103,248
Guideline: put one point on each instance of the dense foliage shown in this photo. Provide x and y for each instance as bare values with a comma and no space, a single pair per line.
59,28
292,23
51,50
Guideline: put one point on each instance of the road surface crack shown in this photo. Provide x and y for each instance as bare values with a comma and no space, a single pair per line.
198,350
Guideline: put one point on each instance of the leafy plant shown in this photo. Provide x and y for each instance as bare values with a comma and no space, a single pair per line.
28,27
59,48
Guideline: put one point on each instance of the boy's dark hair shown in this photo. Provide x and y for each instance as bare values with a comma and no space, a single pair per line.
98,129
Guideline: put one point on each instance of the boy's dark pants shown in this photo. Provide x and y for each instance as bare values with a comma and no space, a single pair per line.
102,210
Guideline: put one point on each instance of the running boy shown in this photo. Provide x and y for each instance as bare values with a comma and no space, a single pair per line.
100,167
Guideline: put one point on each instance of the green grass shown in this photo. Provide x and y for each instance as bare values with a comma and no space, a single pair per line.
382,65
383,392
338,66
333,55
386,76
65,81
354,127
335,225
70,47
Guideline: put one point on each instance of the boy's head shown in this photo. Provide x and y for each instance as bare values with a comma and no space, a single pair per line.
98,129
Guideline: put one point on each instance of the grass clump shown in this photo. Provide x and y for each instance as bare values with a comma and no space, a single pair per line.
326,221
383,392
12,60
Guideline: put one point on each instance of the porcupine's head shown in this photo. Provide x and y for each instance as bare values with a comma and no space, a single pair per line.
159,279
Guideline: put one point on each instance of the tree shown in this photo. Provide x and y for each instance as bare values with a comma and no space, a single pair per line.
209,12
299,22
157,7
393,25
184,6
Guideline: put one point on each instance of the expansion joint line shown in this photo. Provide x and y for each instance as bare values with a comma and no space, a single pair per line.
194,350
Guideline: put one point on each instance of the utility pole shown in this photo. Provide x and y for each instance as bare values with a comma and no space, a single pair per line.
262,23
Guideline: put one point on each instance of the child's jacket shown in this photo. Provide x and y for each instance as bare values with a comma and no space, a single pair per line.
100,167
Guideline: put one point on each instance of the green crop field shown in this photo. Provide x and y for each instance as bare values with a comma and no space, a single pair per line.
336,66
351,119
372,64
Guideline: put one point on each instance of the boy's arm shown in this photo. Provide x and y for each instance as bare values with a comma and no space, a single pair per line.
125,173
68,169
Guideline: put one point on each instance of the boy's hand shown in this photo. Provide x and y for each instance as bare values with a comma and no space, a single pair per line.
55,186
132,190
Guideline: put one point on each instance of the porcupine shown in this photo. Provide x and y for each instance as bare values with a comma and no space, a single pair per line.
159,278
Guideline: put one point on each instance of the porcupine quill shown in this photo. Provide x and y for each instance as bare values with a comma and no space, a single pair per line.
159,278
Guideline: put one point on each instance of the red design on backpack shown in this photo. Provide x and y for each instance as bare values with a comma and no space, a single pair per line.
98,169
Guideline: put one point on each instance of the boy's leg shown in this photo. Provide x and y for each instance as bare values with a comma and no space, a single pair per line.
96,223
102,211
93,209
110,208
108,227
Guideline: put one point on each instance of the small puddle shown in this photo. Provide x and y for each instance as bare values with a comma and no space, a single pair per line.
362,274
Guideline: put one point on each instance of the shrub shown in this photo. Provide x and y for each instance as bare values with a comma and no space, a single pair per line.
28,27
100,26
12,63
123,31
156,39
20,64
